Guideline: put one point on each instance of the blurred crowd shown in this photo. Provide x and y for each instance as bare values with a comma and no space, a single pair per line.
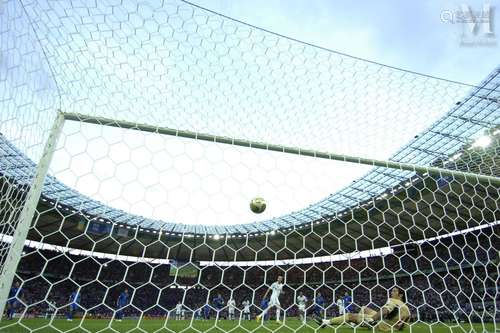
440,282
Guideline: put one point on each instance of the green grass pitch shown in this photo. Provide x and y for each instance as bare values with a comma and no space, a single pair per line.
210,326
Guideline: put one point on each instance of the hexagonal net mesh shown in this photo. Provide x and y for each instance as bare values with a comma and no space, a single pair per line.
133,138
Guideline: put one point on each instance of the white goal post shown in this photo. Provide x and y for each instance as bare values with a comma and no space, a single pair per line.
134,136
9,267
441,172
33,195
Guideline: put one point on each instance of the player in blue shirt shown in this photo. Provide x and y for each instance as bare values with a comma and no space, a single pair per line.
347,299
13,301
218,303
264,304
206,311
121,302
319,304
74,304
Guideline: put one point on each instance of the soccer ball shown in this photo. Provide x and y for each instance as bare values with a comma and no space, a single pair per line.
258,205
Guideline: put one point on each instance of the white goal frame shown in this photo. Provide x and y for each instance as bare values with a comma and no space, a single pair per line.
26,217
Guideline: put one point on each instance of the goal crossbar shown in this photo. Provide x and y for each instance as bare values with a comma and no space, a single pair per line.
435,171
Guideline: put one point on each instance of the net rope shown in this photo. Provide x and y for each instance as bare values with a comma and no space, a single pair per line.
156,230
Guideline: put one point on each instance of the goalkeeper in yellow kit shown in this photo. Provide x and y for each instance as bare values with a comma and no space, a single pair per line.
393,315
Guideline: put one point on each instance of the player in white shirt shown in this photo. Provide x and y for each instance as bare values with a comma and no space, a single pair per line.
340,305
301,304
231,306
178,311
51,310
246,309
276,289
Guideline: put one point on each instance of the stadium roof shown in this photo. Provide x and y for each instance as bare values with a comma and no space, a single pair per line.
467,120
175,65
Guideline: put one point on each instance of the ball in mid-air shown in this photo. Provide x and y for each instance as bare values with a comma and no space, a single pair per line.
258,205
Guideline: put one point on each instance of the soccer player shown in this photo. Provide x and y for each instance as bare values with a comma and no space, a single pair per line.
178,311
218,303
231,306
347,299
74,304
340,305
301,303
246,309
13,301
121,302
263,305
197,314
206,312
392,316
50,310
319,304
274,301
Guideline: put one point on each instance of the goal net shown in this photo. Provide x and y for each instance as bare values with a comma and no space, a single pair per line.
133,137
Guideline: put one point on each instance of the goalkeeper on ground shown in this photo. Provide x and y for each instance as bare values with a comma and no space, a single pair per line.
392,316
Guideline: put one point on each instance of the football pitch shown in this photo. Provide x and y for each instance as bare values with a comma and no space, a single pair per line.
185,326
